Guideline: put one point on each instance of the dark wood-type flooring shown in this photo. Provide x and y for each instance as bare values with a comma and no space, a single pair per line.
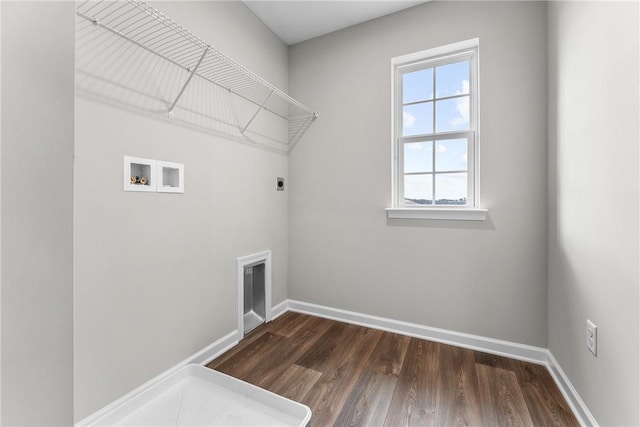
351,375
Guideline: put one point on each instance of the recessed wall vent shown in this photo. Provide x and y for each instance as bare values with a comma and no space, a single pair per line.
254,291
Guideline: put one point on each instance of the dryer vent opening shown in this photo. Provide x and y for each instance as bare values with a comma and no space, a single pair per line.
254,291
254,313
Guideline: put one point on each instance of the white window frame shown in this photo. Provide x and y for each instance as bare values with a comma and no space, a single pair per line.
465,50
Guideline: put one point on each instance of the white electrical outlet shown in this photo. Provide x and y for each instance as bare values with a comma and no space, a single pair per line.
592,337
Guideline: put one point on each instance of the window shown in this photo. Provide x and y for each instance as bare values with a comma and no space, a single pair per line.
436,130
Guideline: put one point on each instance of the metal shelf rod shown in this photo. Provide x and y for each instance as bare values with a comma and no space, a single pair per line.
256,113
129,39
193,72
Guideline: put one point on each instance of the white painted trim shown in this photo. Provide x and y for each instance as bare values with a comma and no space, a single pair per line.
279,309
455,214
241,263
513,350
572,397
436,51
202,357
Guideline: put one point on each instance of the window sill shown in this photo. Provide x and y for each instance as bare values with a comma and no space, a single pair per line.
455,214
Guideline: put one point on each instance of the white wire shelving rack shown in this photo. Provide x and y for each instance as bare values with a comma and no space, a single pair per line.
151,31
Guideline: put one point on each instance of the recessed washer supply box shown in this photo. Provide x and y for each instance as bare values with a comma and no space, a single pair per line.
152,175
198,396
139,174
170,177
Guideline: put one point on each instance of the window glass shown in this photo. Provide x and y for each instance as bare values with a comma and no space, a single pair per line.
451,155
418,157
417,119
435,97
417,86
452,79
451,189
418,189
452,114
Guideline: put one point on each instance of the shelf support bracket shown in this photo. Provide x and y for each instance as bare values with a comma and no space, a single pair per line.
303,128
256,113
193,72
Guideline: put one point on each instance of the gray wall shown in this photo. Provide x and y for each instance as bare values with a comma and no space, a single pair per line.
136,316
593,214
486,278
37,212
155,274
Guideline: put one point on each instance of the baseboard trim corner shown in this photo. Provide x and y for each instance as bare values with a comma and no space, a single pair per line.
279,309
579,408
201,357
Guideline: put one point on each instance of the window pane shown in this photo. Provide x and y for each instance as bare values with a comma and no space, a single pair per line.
417,86
418,157
452,79
452,114
451,189
451,155
418,189
417,119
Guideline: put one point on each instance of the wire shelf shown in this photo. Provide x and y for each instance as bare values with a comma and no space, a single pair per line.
150,31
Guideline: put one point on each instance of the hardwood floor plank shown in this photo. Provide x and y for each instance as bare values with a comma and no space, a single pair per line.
273,360
457,400
544,400
501,399
240,347
290,323
493,360
368,403
333,342
340,372
389,354
285,355
296,382
312,328
243,363
414,399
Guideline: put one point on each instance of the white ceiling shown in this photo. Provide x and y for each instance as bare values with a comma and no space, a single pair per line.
298,20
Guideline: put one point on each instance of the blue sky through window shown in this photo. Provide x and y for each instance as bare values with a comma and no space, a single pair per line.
417,118
417,86
452,114
418,188
451,78
418,157
451,186
451,155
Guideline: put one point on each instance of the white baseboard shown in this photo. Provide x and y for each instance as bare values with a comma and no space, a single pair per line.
572,397
538,355
513,350
279,309
201,357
